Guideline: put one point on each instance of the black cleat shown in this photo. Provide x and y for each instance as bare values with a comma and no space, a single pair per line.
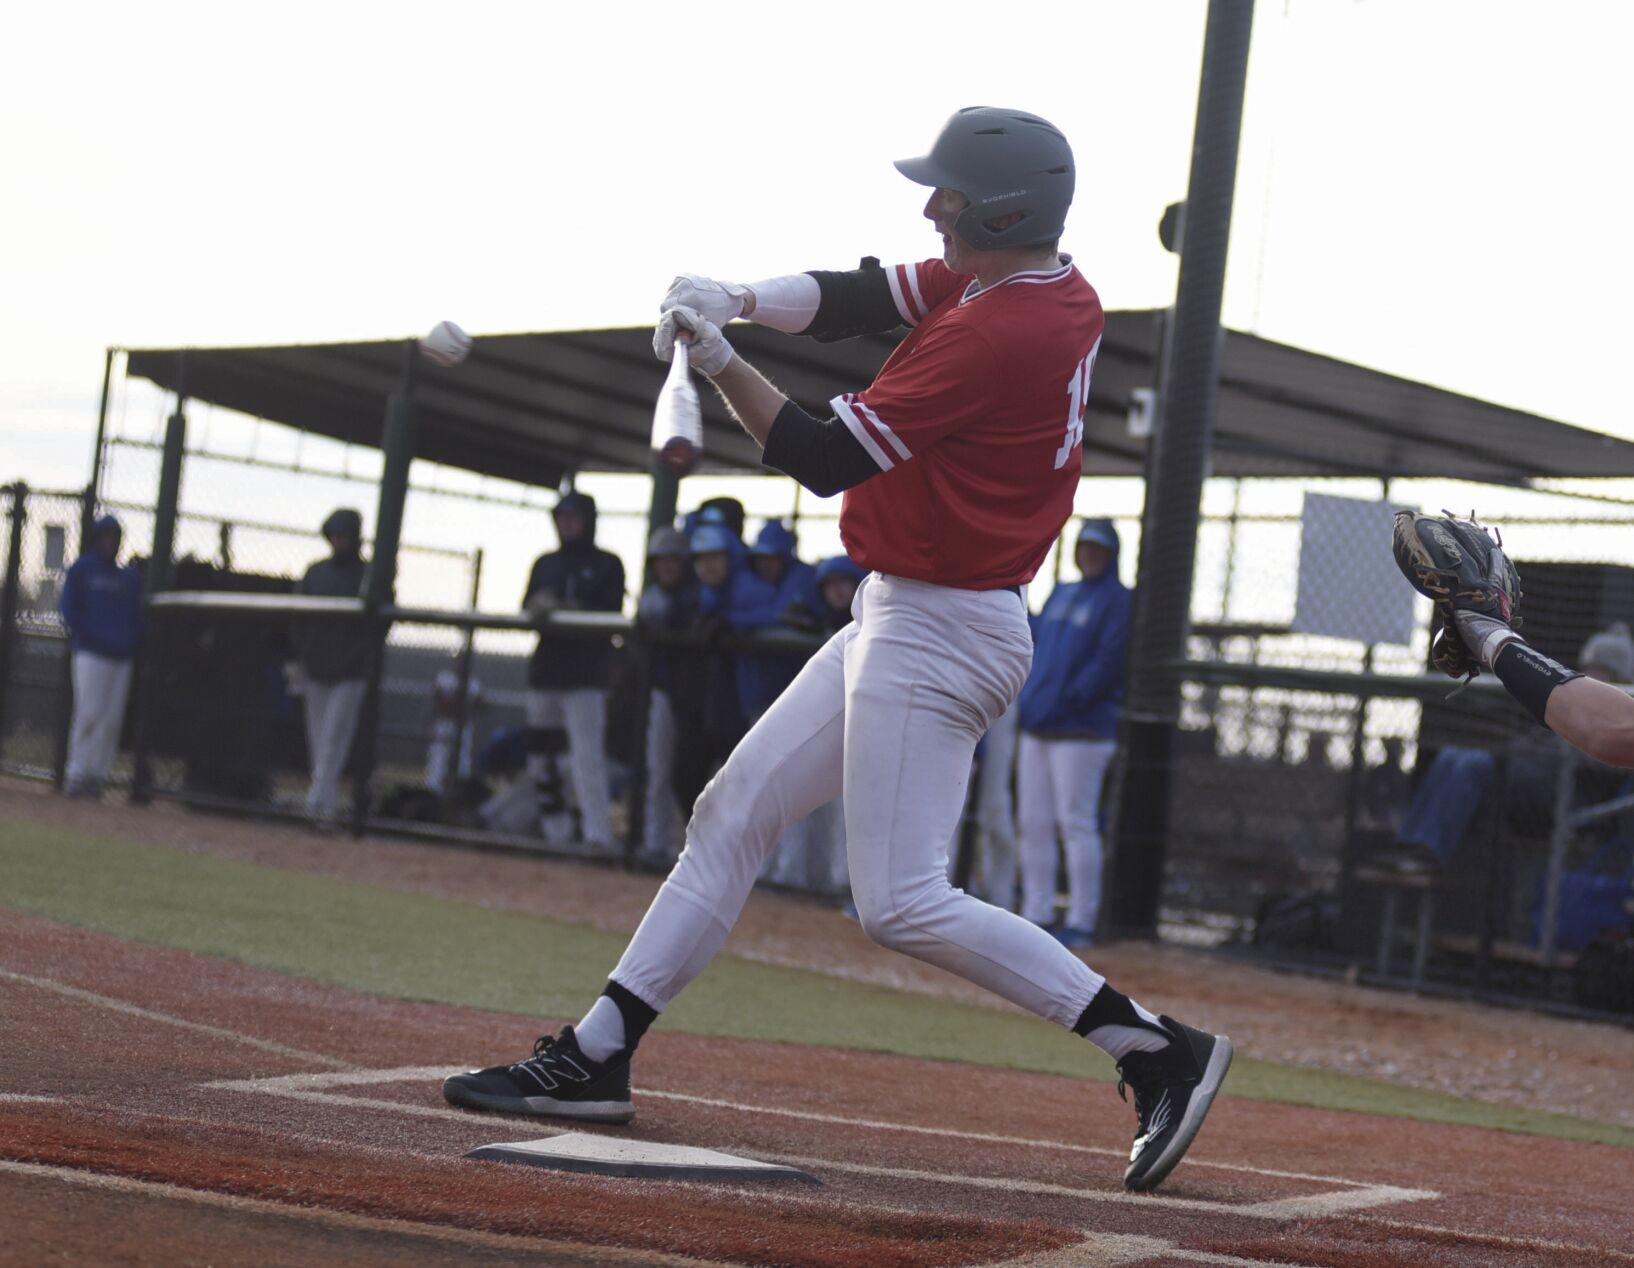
1174,1088
557,1081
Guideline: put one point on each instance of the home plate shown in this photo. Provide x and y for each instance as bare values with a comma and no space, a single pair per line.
606,1156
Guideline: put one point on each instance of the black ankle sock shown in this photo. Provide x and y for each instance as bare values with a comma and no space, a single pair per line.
637,1014
1111,1008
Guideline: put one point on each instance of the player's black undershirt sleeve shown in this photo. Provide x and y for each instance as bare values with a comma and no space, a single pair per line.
854,303
818,452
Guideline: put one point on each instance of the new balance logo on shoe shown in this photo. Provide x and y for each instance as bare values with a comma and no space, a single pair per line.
559,1064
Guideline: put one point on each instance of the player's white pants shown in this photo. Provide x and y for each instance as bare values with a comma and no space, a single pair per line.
101,686
889,711
442,764
332,710
582,712
1059,784
996,813
661,820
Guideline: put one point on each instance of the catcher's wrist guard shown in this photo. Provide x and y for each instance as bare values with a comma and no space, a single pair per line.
1530,675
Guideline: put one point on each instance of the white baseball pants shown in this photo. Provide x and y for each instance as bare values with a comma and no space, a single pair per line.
889,712
996,813
332,710
1059,784
582,713
101,687
449,753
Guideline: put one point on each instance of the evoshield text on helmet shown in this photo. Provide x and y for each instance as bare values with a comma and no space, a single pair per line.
1003,161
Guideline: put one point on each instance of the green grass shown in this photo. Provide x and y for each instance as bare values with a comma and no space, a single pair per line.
413,946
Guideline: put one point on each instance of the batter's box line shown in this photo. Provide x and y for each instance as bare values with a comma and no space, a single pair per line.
1352,1195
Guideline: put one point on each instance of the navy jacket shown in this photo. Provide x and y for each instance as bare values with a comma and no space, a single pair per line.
333,651
1075,690
585,579
102,604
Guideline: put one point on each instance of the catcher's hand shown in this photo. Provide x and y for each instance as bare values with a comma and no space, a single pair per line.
1462,569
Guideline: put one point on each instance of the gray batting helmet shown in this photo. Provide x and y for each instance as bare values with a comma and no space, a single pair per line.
668,541
1003,161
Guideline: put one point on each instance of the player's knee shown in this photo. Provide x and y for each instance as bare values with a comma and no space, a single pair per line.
716,816
883,924
896,920
879,915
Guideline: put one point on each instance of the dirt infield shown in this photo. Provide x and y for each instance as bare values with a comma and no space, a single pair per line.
1467,1050
158,1106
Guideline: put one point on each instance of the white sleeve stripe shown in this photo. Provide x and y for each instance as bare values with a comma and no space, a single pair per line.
884,430
853,424
891,276
912,270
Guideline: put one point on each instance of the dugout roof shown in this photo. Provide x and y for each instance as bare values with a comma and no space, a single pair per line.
533,407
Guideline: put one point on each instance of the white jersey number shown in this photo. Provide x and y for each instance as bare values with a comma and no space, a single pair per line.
1077,401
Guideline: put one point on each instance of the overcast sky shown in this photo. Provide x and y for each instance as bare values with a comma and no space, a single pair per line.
1430,188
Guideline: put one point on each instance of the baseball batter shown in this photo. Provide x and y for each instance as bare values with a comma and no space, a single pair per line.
959,464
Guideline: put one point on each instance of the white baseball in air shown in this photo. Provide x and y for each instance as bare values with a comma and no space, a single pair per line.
447,344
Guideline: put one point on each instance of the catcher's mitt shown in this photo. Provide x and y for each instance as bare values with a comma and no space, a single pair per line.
1461,568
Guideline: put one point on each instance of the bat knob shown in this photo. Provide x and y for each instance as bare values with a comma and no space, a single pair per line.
679,456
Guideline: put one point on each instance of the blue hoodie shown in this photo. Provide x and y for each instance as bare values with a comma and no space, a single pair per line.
1075,690
799,583
757,605
102,601
746,603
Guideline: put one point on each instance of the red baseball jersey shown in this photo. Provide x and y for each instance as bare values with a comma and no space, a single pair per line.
977,424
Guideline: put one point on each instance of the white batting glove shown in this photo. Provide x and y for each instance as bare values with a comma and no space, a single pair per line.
709,352
718,302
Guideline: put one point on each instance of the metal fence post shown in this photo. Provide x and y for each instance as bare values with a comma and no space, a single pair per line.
1181,444
462,702
666,493
1492,887
9,595
397,449
1559,838
635,816
161,571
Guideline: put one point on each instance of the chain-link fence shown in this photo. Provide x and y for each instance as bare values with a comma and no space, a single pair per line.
213,553
1330,805
441,725
41,540
1333,806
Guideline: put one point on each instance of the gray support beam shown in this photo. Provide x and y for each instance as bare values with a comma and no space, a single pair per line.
93,486
666,494
160,576
397,449
380,582
1179,465
162,562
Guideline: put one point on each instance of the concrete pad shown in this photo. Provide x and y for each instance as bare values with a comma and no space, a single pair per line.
648,1160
